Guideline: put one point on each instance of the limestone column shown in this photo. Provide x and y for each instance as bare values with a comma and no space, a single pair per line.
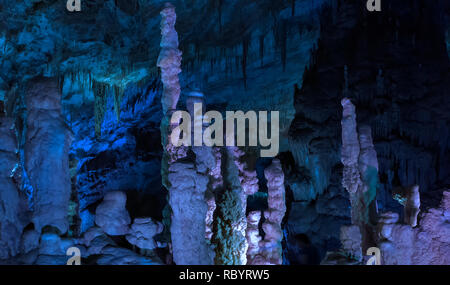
47,144
186,185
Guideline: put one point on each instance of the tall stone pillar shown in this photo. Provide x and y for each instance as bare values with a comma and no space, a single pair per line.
47,144
360,174
187,181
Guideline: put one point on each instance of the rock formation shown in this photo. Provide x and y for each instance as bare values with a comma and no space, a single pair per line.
169,60
47,145
187,187
240,182
189,210
112,216
409,198
427,243
351,179
351,240
253,238
360,174
12,204
142,232
271,245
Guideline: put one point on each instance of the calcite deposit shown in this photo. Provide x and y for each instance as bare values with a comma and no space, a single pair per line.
12,203
112,216
47,144
271,245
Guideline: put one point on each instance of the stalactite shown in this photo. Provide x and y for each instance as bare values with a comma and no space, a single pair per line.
220,5
284,37
261,49
118,95
245,46
100,93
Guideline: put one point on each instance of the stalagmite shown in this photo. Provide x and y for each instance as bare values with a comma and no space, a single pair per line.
360,174
385,225
231,221
142,233
350,152
11,205
112,216
47,155
240,183
427,243
270,247
189,209
169,59
351,240
187,186
409,197
253,237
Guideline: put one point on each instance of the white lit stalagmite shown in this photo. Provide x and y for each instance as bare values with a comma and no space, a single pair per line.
169,59
187,185
351,179
47,146
270,247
